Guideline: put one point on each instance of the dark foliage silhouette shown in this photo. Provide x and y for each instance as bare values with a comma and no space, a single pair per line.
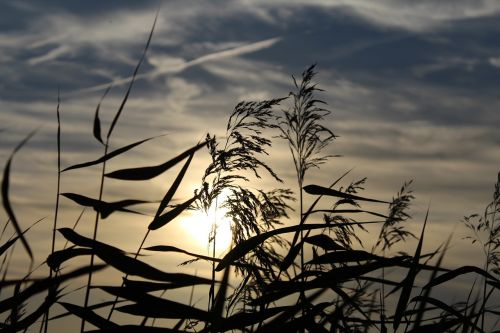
285,271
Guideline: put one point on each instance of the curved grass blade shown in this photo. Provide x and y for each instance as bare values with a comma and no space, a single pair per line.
167,310
30,319
89,315
277,323
320,190
323,241
110,155
245,319
11,241
343,256
97,121
327,279
248,245
122,105
168,248
91,307
308,213
147,286
152,306
460,271
145,173
445,307
163,219
80,240
427,291
103,207
7,245
218,305
5,196
55,259
116,258
439,327
173,188
290,257
409,280
39,286
135,329
349,211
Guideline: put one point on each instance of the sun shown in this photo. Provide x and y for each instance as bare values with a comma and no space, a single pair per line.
198,225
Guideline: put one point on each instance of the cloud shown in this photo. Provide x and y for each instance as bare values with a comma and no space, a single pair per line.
425,15
168,65
495,62
51,55
441,64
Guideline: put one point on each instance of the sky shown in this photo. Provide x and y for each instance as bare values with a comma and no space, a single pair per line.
412,88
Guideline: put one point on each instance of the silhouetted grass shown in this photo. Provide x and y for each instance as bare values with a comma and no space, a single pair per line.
308,275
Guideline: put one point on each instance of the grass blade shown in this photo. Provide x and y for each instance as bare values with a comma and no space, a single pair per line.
110,155
343,257
409,280
55,259
152,306
29,320
44,284
173,188
460,271
445,307
218,305
161,220
103,207
320,190
141,60
7,245
427,291
97,121
248,245
168,248
323,241
147,286
145,173
116,258
135,329
89,315
5,196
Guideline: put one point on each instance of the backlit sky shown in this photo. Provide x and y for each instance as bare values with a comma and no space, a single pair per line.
413,88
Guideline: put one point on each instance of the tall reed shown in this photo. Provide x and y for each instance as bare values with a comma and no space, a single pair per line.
280,288
306,136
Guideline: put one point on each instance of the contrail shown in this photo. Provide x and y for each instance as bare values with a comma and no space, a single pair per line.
232,52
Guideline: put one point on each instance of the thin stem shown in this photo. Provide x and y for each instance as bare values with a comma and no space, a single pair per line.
211,294
45,322
94,236
126,276
488,251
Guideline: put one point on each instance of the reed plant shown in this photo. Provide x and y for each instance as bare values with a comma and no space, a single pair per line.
282,273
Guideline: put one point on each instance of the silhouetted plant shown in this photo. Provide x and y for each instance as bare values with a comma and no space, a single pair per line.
339,287
306,137
485,230
237,154
392,231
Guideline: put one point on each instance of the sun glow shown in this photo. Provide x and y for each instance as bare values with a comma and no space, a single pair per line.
199,226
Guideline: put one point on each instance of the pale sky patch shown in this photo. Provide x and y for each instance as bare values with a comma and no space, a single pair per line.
169,66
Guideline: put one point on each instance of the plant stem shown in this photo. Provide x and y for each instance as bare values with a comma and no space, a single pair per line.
94,236
56,210
126,275
211,294
488,251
